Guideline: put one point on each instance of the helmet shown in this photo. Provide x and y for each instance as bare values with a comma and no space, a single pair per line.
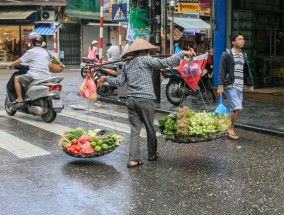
36,39
94,42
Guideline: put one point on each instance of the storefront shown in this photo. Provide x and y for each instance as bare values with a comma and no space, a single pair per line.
14,30
261,23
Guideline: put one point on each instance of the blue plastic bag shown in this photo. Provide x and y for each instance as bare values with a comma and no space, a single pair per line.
177,48
221,109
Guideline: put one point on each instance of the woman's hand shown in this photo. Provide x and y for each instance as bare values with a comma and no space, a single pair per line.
190,52
101,80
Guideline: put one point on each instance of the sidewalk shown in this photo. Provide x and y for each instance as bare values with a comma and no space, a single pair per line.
259,116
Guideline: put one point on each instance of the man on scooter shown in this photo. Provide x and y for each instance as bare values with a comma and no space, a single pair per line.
38,60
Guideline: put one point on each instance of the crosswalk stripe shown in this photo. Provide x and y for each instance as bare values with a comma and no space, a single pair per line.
59,129
31,120
103,122
98,108
18,147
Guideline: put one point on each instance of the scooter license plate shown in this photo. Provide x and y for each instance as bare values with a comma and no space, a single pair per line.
57,103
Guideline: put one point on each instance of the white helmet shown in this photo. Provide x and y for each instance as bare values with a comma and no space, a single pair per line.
94,42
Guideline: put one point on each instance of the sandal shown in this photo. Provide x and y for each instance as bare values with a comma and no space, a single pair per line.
17,102
232,136
138,163
155,157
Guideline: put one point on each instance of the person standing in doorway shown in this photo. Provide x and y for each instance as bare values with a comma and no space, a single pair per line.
125,46
137,73
234,74
113,52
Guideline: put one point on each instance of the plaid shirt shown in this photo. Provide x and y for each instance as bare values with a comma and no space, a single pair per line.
138,74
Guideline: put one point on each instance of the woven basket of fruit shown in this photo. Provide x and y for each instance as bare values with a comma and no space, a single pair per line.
56,66
187,126
89,144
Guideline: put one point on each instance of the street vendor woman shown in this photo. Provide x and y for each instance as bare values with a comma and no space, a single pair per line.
137,73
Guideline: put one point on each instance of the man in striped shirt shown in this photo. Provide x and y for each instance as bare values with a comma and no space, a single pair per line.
234,73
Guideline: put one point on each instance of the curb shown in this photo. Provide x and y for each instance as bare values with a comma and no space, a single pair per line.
242,126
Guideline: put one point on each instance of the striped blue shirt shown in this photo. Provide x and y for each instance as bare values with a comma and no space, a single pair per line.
238,70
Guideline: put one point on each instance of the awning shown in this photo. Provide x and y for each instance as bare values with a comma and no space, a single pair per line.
79,14
44,29
22,14
191,23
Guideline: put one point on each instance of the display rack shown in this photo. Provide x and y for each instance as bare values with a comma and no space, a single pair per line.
2,55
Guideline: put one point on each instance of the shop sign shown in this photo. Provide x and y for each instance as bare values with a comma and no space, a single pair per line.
29,20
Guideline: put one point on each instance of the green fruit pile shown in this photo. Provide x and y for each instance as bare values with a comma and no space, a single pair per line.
105,142
187,123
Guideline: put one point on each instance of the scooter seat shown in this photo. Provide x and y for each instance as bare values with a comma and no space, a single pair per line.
50,79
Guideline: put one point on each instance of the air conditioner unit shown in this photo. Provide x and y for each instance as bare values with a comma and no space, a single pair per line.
47,15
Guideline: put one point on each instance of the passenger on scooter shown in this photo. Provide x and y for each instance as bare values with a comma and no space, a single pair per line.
38,59
93,51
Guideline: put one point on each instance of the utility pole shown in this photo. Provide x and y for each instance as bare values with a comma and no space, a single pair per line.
101,40
163,26
172,6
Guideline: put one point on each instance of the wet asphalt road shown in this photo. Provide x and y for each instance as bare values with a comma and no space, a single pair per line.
214,178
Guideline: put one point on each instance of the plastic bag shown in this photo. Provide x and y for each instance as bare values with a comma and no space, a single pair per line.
88,89
191,69
221,109
177,48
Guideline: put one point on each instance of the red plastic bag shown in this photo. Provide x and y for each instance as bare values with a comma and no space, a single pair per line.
192,81
88,89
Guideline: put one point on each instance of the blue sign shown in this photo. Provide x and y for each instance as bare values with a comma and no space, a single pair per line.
119,12
106,5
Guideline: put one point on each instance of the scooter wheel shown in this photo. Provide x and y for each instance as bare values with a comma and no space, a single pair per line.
8,108
84,72
49,116
105,90
172,94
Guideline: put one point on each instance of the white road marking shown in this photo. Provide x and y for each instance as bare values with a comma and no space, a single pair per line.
18,147
59,129
37,122
102,109
103,122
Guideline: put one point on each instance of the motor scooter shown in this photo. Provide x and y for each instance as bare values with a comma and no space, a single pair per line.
83,65
177,90
106,70
41,97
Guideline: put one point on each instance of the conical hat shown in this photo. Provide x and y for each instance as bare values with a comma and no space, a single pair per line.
138,45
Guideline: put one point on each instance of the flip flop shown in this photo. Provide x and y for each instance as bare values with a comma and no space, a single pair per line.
232,136
16,102
155,157
135,165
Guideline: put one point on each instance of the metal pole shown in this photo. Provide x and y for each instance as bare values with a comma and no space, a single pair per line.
119,37
101,40
163,25
54,41
172,32
274,42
